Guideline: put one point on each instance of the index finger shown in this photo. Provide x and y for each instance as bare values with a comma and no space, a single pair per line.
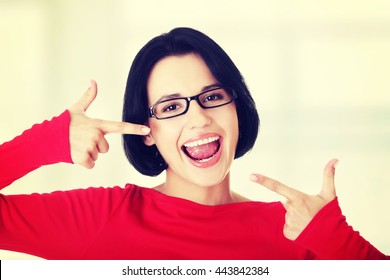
275,186
121,127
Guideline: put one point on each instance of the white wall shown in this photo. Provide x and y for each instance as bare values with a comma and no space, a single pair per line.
318,72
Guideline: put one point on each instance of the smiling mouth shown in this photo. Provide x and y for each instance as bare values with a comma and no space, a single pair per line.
202,150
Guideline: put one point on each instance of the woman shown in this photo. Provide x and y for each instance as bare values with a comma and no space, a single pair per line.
187,111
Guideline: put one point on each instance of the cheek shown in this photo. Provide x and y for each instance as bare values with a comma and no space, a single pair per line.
230,123
164,135
235,132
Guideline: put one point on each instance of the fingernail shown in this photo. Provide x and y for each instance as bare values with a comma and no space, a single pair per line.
336,163
145,130
253,178
90,84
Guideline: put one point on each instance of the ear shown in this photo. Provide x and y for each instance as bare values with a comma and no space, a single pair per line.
148,140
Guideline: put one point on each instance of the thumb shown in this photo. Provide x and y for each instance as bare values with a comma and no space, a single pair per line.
328,190
86,100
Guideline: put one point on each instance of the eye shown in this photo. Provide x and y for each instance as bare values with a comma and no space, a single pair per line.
216,97
213,97
170,107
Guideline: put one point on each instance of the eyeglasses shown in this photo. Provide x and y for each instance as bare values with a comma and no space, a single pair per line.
174,107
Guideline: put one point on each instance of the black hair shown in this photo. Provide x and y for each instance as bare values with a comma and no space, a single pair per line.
146,159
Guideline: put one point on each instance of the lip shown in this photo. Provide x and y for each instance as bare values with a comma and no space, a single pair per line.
216,156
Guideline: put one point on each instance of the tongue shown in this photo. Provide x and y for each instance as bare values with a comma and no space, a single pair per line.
203,151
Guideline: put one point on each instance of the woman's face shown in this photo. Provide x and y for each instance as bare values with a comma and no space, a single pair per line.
200,145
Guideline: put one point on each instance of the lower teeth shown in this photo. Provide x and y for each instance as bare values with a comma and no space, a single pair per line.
205,159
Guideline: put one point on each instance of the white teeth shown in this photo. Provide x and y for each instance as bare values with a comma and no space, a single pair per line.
201,142
205,159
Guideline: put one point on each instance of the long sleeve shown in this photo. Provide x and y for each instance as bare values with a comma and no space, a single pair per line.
57,225
329,236
42,144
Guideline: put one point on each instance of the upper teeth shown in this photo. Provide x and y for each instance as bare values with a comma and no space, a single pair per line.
201,142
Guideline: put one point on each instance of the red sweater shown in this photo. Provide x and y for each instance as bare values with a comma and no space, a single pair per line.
140,223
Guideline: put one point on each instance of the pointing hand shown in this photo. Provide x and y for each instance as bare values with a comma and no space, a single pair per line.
86,135
301,207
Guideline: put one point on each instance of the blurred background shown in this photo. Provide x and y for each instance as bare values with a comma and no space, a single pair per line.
318,71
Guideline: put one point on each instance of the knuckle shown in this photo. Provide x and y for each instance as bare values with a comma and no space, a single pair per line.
88,93
87,162
91,147
116,126
299,200
330,175
96,122
104,148
96,136
275,185
95,155
119,126
89,165
85,159
288,206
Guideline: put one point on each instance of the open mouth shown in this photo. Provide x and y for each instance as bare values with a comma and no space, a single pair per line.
202,150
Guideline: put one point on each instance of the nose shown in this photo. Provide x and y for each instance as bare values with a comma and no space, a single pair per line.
197,117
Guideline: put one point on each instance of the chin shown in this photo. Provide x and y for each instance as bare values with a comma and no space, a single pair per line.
209,179
216,174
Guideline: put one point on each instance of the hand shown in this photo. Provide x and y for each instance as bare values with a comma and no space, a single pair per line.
301,207
86,135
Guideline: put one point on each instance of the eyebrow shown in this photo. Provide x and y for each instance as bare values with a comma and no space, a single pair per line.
179,95
213,86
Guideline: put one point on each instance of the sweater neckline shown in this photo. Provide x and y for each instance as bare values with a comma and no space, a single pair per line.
182,202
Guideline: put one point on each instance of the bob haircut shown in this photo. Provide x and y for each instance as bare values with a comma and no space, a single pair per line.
146,159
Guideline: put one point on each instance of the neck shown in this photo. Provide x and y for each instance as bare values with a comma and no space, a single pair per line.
217,194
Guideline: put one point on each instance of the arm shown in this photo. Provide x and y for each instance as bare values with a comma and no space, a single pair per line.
42,144
316,223
59,224
330,237
72,137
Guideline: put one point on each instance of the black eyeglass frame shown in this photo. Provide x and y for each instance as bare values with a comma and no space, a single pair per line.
189,99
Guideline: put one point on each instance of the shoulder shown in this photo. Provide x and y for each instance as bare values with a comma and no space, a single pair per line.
94,193
239,198
245,202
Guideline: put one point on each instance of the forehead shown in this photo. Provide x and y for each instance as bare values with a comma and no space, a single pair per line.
180,74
